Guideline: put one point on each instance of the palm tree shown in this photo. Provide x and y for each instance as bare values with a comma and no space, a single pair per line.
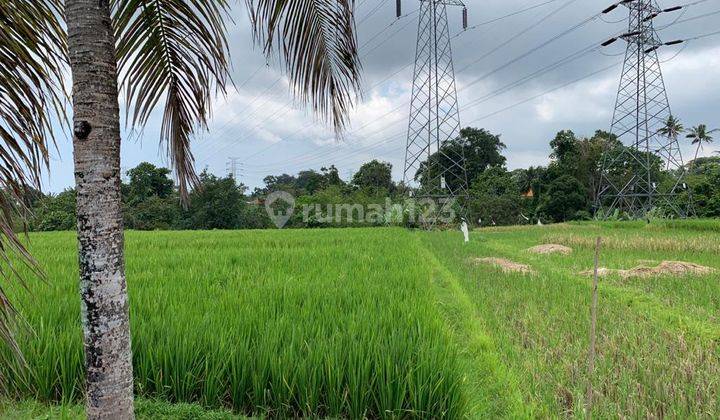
32,52
672,128
699,136
172,52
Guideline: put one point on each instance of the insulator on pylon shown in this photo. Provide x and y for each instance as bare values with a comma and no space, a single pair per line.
465,18
649,50
610,9
608,42
650,17
629,34
678,41
398,8
672,9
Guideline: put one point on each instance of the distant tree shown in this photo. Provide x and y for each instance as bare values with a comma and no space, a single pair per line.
147,180
565,200
700,135
273,183
480,148
565,148
331,176
216,204
253,217
704,179
309,182
152,213
495,196
374,175
589,159
56,212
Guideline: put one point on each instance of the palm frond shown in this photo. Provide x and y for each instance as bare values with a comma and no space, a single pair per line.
173,51
317,41
32,60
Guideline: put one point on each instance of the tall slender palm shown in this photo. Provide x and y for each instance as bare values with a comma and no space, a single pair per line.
672,128
700,135
172,52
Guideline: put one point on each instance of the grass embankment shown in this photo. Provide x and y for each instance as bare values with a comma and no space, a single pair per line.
284,323
657,338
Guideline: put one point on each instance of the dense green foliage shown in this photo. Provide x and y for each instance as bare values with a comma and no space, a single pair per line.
564,190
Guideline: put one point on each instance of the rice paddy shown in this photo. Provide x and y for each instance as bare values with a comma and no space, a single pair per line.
387,323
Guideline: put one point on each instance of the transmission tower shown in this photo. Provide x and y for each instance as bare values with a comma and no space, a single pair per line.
432,168
634,178
234,167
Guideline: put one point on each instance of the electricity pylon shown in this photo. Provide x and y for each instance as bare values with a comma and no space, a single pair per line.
234,167
635,177
433,168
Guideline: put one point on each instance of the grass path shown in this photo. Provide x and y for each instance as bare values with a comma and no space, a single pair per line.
492,389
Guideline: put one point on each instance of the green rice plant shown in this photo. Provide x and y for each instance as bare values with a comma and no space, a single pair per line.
388,323
280,323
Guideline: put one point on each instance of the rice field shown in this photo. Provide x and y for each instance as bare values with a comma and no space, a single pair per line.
272,323
388,323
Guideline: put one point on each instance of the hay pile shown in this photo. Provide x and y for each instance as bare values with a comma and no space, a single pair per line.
665,268
505,265
551,249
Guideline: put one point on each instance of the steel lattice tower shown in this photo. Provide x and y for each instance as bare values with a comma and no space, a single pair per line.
435,171
632,180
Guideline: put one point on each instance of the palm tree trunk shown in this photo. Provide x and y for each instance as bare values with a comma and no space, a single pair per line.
697,152
96,146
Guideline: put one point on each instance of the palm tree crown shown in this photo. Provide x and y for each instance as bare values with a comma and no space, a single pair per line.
701,134
672,128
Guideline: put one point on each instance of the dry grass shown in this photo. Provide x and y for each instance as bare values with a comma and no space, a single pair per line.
644,243
506,266
551,249
665,268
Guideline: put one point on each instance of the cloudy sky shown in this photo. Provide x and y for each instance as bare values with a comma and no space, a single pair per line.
259,123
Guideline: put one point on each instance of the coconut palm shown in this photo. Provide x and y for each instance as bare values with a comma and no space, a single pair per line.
672,128
700,135
32,52
171,53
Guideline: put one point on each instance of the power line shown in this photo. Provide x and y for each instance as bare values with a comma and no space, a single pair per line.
487,22
532,51
223,129
494,20
475,101
385,141
690,19
372,12
288,105
518,35
390,25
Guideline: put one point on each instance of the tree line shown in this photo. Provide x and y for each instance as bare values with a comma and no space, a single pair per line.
563,190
